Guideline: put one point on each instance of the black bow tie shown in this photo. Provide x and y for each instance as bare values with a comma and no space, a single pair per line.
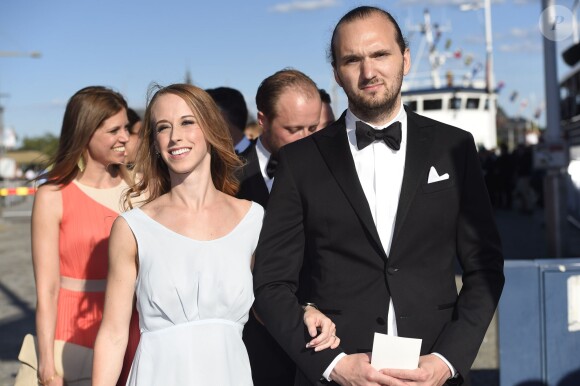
271,167
365,135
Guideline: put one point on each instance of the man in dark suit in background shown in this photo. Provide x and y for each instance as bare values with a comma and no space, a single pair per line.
326,113
381,216
233,106
288,109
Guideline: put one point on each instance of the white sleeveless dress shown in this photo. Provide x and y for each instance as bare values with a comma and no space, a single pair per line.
193,299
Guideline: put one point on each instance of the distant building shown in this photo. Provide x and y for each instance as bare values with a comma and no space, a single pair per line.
28,159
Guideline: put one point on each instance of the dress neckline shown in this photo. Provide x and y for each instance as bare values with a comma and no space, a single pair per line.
104,197
233,230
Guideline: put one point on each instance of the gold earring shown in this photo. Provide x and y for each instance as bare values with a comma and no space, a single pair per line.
81,164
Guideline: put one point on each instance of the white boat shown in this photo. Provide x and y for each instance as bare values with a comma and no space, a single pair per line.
469,108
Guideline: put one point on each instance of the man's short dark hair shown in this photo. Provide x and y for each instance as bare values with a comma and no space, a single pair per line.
133,117
324,96
232,104
362,13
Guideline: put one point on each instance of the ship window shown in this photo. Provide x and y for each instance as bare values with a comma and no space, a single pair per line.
486,105
454,103
412,105
432,104
472,103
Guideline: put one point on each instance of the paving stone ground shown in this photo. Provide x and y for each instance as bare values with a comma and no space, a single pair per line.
17,293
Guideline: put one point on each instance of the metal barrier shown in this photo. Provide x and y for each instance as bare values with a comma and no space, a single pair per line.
19,191
539,323
15,191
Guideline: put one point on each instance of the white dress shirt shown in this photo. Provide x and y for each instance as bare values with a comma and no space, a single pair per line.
380,171
263,158
382,188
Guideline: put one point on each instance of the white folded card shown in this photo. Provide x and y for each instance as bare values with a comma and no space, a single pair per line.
394,352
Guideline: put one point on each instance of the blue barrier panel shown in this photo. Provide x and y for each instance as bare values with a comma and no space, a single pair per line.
539,323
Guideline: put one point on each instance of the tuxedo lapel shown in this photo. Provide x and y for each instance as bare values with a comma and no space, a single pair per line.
334,148
418,140
252,184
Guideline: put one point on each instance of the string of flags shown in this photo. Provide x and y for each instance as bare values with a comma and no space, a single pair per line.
476,67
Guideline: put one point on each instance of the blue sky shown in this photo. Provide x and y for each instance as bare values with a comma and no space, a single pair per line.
127,44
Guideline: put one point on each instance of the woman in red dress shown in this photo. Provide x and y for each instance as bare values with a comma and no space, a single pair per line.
71,221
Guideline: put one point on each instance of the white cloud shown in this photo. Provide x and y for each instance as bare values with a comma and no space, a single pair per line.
430,2
448,2
518,33
478,39
306,5
526,46
56,103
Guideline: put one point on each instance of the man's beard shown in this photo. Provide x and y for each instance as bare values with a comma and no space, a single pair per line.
378,106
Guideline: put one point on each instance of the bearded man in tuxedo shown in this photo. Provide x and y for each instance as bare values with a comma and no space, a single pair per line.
381,205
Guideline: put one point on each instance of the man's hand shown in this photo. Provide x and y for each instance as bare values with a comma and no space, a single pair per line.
432,371
356,370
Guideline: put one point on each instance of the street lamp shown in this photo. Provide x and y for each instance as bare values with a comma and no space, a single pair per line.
11,54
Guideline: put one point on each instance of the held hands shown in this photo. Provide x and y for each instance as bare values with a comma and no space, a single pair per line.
432,371
316,321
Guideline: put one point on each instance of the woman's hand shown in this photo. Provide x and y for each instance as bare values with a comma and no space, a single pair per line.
54,380
321,328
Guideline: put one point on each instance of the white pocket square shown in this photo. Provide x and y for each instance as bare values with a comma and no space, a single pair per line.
435,177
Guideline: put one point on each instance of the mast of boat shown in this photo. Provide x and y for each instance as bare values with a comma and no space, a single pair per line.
433,55
490,81
428,39
486,5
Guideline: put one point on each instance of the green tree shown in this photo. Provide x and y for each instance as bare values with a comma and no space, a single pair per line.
47,144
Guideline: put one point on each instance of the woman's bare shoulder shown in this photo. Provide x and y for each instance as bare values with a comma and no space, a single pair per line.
48,193
47,202
240,205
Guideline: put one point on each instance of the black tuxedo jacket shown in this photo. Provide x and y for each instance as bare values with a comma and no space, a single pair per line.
270,364
318,212
252,184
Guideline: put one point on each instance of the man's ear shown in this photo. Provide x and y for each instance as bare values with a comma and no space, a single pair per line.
406,61
262,119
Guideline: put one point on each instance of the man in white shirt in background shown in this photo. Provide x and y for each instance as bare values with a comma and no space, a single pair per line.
289,108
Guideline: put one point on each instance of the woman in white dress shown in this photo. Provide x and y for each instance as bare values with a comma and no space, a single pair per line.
186,255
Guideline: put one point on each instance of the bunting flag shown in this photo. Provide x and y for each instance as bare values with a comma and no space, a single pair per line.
524,104
513,96
468,60
478,67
